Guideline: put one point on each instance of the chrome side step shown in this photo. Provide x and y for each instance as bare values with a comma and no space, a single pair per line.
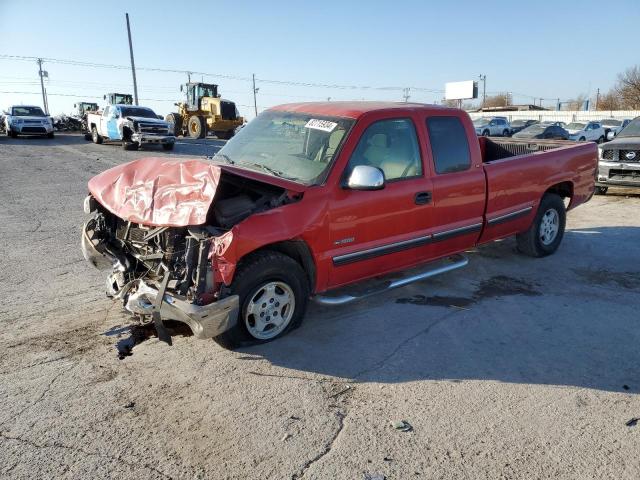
454,262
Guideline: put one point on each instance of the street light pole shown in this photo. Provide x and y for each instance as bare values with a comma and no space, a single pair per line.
255,90
133,65
484,88
44,95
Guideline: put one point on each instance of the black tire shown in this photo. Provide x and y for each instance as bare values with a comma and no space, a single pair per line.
197,127
168,146
601,190
95,136
601,140
530,242
486,133
582,139
13,134
505,133
254,273
87,136
176,119
129,145
50,135
229,135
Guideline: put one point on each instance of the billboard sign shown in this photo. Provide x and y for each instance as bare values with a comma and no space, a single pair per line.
461,90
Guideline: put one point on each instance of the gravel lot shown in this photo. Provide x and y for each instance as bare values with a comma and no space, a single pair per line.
511,368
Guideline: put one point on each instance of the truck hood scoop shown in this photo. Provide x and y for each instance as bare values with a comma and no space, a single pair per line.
156,191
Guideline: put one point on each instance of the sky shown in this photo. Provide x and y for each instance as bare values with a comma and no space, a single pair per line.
310,51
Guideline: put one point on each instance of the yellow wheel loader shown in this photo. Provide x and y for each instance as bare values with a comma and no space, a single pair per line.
204,112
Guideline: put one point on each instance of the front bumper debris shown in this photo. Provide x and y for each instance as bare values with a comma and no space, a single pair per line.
618,174
142,298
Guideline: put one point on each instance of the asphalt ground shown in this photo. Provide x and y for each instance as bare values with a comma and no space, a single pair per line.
510,368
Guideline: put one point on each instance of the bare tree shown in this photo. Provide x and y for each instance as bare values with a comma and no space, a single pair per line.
628,88
500,100
610,100
576,103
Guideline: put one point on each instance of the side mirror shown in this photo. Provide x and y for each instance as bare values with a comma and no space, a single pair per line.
176,104
365,177
610,135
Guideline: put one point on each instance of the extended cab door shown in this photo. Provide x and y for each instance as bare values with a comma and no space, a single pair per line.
458,182
379,231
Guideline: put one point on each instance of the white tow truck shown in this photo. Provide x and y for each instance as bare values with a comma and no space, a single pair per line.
131,125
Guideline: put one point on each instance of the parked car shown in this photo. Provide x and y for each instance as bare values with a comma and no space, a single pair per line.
488,126
131,125
519,125
313,197
27,120
586,131
613,126
554,123
619,164
543,131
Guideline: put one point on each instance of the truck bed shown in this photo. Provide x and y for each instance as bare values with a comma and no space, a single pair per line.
496,148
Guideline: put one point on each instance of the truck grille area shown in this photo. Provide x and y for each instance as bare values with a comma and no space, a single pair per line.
624,175
153,128
634,154
33,130
609,155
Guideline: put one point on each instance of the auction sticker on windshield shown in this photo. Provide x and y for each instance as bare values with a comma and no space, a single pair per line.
324,125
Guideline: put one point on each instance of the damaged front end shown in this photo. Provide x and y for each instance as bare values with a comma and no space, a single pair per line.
158,227
159,273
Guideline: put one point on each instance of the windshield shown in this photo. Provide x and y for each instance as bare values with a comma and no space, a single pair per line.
138,112
296,146
576,126
612,122
631,130
481,121
27,112
207,91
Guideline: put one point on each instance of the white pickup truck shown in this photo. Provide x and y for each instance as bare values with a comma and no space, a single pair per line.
132,125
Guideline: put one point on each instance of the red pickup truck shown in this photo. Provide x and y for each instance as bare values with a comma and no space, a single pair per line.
313,197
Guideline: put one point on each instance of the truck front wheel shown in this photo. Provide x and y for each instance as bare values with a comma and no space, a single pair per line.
273,291
545,233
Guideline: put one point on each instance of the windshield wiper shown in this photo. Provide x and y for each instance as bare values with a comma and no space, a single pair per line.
224,157
270,170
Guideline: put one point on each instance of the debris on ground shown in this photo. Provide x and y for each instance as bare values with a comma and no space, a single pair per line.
402,425
625,387
374,476
633,422
130,404
286,437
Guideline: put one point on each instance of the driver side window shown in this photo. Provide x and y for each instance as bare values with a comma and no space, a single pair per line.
391,146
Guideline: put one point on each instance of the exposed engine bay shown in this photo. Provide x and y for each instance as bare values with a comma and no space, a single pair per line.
171,263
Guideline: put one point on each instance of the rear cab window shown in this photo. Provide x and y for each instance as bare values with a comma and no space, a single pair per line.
449,144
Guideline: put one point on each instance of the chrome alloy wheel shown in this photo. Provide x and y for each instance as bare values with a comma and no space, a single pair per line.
549,226
269,310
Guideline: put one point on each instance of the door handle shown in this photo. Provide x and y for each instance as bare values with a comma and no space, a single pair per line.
422,198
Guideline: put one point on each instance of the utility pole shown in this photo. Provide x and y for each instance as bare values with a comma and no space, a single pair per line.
133,65
44,95
597,98
484,88
406,94
255,90
188,77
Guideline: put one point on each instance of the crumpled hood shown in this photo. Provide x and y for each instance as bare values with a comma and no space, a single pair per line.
159,192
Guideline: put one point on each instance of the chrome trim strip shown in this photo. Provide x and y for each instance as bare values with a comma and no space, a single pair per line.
403,245
509,216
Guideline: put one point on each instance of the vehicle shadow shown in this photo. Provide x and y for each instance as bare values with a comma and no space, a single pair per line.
565,320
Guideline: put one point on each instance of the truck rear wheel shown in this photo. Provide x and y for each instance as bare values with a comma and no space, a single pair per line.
547,229
95,136
197,127
273,291
176,119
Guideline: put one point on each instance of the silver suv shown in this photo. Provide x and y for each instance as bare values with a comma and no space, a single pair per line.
496,126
